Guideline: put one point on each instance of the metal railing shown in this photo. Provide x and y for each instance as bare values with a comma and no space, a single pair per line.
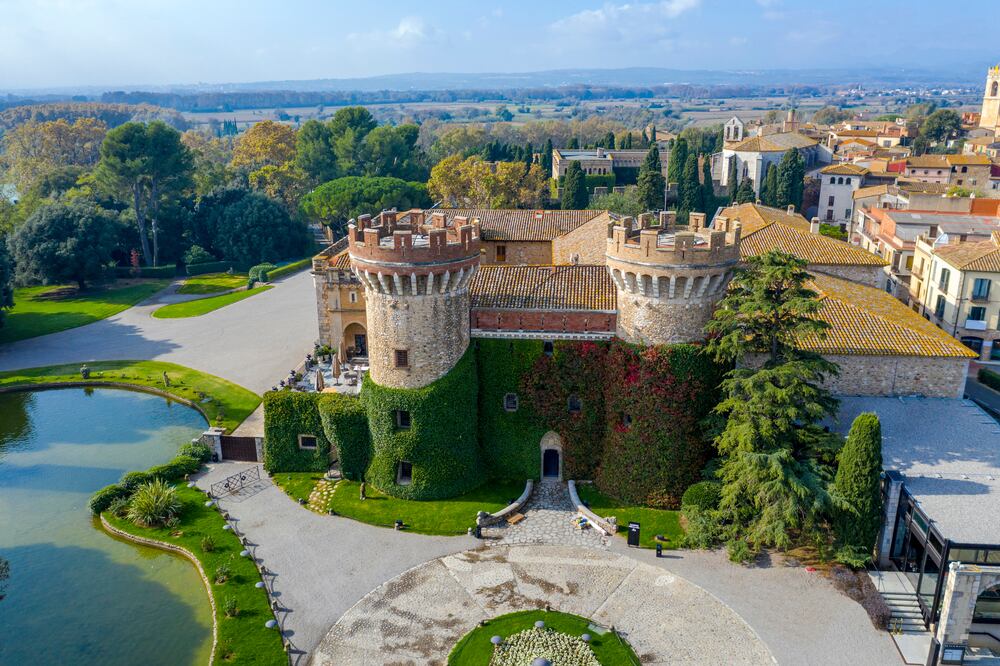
235,482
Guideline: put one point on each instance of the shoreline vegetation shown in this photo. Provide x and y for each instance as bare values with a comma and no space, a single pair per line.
221,402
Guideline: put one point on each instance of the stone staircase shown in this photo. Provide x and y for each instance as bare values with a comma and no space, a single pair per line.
906,625
906,615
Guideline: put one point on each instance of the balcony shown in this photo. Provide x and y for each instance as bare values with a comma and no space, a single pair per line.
975,324
980,298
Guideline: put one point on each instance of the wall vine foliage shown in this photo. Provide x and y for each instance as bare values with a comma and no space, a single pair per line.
288,414
345,423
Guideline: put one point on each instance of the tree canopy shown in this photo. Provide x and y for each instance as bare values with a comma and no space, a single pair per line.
791,180
250,228
574,187
337,201
267,143
6,279
472,183
651,182
33,150
858,485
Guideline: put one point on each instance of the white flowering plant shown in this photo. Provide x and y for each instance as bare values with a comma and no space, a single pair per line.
524,647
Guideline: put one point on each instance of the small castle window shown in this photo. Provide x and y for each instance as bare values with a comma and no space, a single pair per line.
501,253
574,405
626,421
354,297
404,473
402,419
307,441
402,358
993,89
548,347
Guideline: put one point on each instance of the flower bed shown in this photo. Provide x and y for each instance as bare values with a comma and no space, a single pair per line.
526,646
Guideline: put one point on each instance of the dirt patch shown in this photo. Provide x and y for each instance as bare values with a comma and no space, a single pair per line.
506,594
545,586
57,294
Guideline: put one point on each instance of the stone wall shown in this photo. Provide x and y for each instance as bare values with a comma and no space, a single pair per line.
558,321
519,252
870,276
645,320
433,329
588,242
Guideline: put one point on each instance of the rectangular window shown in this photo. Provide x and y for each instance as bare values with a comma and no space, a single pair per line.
977,313
510,402
943,282
981,289
939,307
402,419
909,262
402,358
404,473
501,253
307,441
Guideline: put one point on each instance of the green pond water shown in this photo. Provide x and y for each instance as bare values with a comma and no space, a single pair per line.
74,595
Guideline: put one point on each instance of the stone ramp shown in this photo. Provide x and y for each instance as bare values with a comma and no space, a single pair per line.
548,519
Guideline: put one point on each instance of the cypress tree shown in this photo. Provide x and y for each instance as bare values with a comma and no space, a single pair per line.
547,157
769,190
707,190
791,177
689,189
652,134
628,140
678,159
645,139
573,143
732,181
859,466
651,183
609,140
574,195
745,194
529,155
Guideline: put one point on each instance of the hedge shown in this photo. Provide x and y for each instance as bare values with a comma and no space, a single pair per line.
288,414
441,441
345,424
102,499
989,378
509,440
202,452
288,269
181,466
259,273
146,271
215,267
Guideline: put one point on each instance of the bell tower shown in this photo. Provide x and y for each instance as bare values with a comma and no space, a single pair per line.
990,118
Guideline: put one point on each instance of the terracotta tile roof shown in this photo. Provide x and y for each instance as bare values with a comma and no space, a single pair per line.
583,287
342,261
856,140
872,191
845,169
774,143
522,225
868,321
970,160
857,133
927,162
766,228
978,256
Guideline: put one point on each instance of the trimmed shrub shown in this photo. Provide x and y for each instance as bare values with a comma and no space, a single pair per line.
196,254
704,495
102,499
132,480
176,468
345,423
858,484
196,450
154,503
146,271
259,273
289,269
214,267
989,378
441,442
288,414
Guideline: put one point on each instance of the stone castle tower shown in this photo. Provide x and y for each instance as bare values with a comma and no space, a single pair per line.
669,278
990,118
416,277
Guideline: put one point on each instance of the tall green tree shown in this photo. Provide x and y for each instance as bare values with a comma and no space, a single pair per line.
677,161
769,190
708,201
941,126
609,140
651,183
314,154
6,279
64,243
393,152
791,180
547,157
774,481
857,484
574,187
145,165
745,193
689,189
335,202
732,180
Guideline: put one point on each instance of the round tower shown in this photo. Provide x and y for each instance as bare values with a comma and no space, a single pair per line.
416,274
990,115
668,278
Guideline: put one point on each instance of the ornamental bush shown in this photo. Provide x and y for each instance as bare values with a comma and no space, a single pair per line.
132,480
197,450
345,423
288,414
858,484
440,443
102,499
704,495
177,468
154,503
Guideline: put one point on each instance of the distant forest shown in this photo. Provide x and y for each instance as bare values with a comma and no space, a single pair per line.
112,115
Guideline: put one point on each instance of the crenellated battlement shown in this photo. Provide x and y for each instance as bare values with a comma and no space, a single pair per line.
396,246
669,244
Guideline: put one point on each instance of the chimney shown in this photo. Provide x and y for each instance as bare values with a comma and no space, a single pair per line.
600,152
813,225
791,209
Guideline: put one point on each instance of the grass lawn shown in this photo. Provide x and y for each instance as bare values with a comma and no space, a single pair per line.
41,310
297,485
242,639
652,521
212,283
444,517
213,395
202,306
475,648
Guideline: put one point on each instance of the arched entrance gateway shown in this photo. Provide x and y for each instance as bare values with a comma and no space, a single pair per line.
551,448
355,341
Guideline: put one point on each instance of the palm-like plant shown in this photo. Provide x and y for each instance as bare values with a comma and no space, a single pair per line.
153,504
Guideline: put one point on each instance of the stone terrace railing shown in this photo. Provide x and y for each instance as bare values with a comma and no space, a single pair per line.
484,519
600,524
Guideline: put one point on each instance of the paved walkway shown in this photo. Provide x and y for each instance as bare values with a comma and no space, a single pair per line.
417,618
548,519
254,342
322,565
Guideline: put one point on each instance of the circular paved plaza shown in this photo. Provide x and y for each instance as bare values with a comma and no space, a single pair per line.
418,616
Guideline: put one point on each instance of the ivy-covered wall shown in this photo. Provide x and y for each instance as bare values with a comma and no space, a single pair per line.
509,440
656,399
287,415
441,442
345,423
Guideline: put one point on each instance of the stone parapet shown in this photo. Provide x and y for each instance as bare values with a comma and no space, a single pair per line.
393,246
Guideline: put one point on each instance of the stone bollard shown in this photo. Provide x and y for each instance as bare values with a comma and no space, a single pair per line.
363,490
85,372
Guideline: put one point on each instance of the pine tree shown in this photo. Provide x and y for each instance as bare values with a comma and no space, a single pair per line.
769,190
708,204
678,159
547,157
574,195
732,181
745,193
857,486
791,180
651,183
689,189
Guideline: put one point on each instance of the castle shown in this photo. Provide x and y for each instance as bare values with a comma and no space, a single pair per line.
989,118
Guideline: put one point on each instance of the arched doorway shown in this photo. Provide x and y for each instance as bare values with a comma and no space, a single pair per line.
355,340
551,449
988,606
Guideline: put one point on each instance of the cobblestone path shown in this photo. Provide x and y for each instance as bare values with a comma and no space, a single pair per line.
548,519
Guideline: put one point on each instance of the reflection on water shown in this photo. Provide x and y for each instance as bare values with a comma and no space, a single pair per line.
74,595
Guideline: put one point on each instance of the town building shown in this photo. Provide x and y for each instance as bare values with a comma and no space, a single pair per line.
837,185
623,164
989,117
752,157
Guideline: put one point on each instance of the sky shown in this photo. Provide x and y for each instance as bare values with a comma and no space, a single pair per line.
53,43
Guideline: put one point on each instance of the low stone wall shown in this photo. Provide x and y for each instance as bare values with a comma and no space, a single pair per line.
599,523
153,543
484,519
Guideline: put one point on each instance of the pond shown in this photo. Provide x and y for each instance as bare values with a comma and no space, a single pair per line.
75,595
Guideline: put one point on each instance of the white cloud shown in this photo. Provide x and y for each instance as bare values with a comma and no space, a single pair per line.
623,18
410,31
